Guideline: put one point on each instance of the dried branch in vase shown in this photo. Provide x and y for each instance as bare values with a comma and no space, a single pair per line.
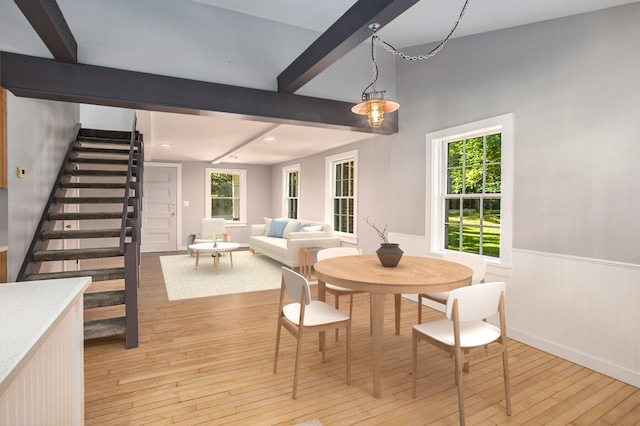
381,234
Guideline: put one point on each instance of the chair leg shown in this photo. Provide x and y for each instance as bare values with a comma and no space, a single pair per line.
419,309
460,394
275,359
414,363
336,304
507,391
349,353
295,372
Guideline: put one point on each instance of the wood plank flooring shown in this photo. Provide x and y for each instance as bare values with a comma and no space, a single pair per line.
209,361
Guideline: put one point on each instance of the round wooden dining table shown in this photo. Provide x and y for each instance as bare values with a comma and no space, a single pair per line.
413,275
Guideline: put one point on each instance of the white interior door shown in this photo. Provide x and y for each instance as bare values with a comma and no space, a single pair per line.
160,208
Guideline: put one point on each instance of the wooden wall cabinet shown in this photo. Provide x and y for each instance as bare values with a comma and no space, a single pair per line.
3,266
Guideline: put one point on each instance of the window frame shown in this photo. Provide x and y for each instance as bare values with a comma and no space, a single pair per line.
330,163
286,172
242,173
436,142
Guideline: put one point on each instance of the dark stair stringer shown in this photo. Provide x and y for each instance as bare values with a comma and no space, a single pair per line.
102,176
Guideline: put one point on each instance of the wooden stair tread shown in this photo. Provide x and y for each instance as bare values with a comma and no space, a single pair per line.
104,328
103,298
71,254
89,200
92,185
83,233
108,285
74,172
88,216
105,312
97,275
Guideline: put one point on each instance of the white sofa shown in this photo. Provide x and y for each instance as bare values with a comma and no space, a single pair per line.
284,243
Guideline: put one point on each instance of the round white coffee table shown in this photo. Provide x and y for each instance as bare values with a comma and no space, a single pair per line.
214,248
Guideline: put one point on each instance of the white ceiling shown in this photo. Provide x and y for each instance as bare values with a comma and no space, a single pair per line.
205,138
209,137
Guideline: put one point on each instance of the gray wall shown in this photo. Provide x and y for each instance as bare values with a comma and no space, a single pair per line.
573,86
38,136
258,198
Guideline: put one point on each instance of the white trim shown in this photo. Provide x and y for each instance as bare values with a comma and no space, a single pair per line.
435,141
329,179
243,193
589,260
178,168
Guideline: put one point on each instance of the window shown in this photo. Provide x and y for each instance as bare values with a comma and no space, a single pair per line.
471,188
290,188
226,194
342,182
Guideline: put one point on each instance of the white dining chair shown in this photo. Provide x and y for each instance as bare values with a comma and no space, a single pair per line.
477,264
465,335
335,290
305,315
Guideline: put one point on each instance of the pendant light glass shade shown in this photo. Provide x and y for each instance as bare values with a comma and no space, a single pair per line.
374,106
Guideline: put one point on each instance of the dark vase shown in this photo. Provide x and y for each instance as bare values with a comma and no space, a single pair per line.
389,254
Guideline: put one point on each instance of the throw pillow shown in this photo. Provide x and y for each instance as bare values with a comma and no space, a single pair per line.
313,228
277,228
267,222
300,228
291,226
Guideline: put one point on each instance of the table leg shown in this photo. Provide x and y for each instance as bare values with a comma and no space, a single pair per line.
231,258
197,258
377,318
216,261
322,296
398,308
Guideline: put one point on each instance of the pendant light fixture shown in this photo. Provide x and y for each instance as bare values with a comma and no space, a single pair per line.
373,104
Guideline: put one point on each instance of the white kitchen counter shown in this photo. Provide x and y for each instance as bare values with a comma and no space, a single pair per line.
29,312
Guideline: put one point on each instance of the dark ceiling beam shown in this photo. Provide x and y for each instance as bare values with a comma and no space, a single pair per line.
41,78
343,36
46,18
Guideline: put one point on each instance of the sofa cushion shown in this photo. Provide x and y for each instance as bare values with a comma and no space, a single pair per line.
277,228
302,225
312,228
291,227
306,235
267,222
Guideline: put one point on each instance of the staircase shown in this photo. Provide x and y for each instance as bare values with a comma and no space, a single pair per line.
91,227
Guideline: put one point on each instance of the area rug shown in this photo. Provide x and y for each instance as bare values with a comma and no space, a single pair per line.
249,273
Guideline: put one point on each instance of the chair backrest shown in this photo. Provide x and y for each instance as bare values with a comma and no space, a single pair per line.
475,302
296,286
336,252
477,264
210,228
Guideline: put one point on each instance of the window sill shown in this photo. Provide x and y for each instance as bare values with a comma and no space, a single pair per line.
346,238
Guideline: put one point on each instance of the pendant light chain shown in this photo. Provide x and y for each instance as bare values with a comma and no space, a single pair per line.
438,48
374,66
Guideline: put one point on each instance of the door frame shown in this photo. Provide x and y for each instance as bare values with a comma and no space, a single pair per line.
178,168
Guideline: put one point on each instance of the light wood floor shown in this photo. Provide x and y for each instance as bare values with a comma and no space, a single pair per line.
209,361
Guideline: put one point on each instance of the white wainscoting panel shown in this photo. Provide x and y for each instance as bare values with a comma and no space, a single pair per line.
49,390
584,310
